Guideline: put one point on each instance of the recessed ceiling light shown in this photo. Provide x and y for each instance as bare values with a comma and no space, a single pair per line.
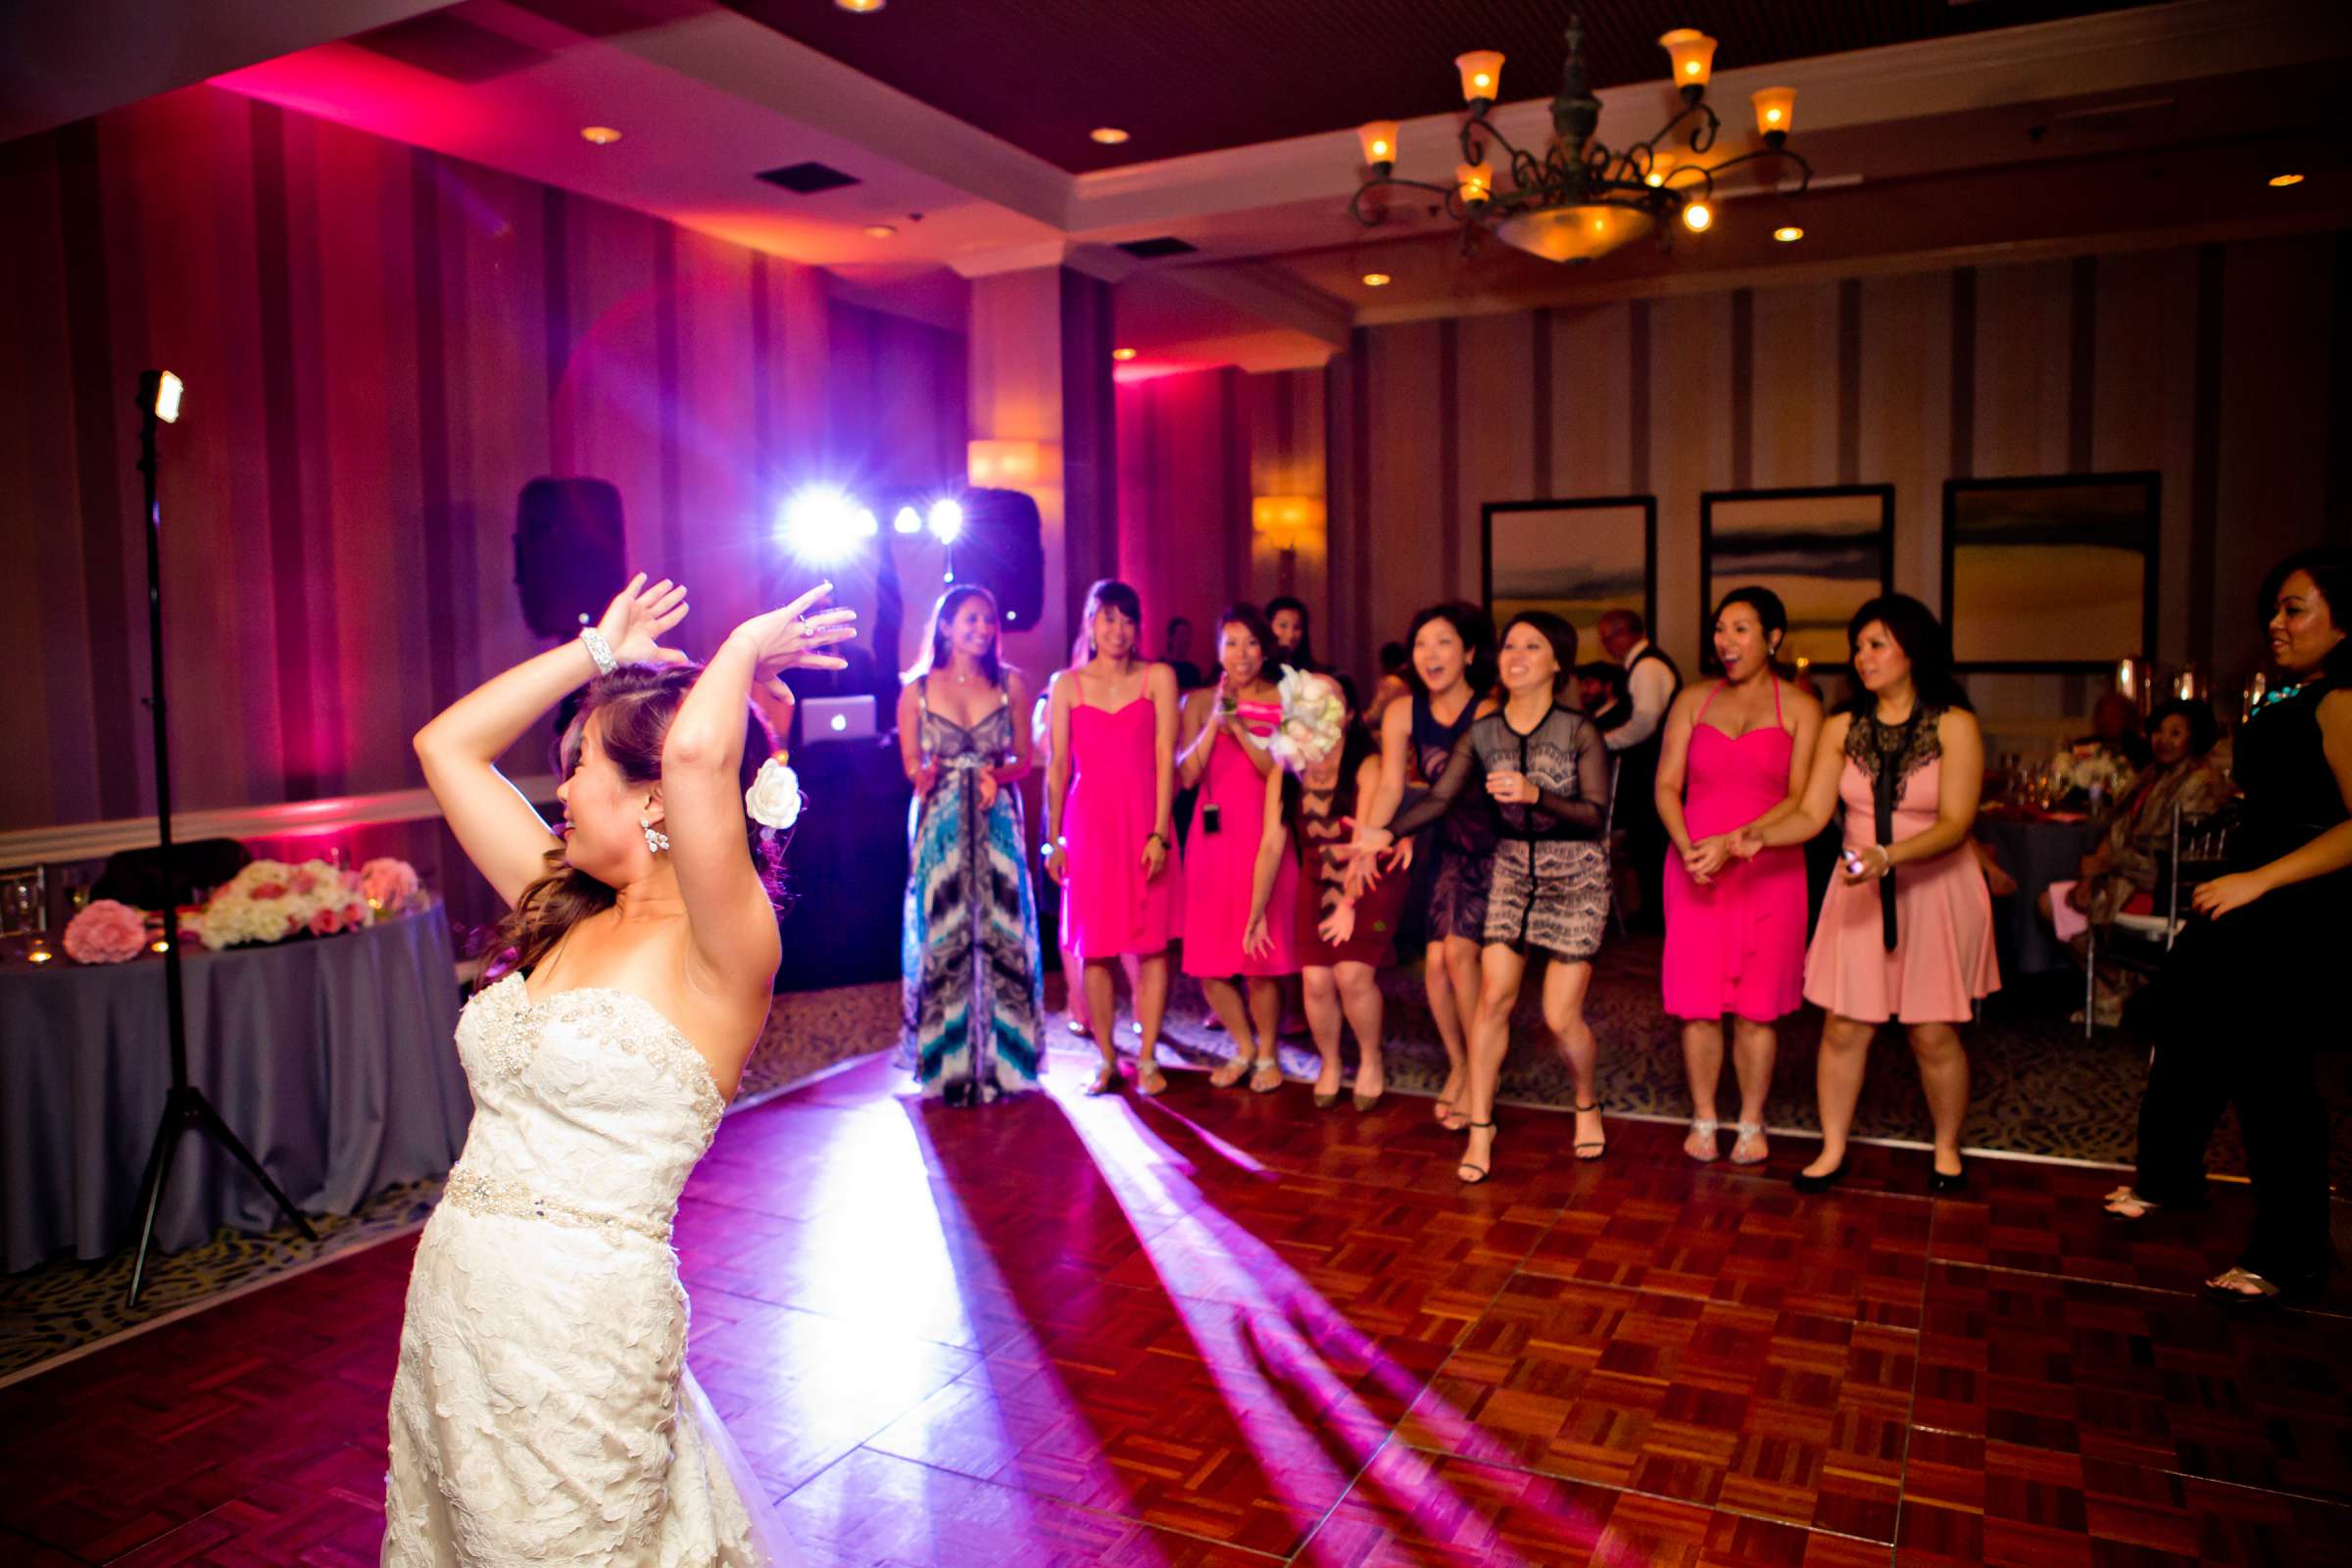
1377,280
862,7
1787,234
879,231
1122,355
602,135
1108,135
2286,179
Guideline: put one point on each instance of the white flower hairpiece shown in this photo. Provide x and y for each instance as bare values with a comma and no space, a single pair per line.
774,799
1313,716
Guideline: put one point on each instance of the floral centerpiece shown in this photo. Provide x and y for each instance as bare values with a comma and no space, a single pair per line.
390,885
270,901
2097,776
106,932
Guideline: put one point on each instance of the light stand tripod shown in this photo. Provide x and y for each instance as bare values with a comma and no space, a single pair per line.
185,1107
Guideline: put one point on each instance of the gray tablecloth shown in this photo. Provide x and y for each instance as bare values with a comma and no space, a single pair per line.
332,1059
2037,853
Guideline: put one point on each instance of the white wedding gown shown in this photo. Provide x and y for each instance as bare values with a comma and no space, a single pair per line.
542,1410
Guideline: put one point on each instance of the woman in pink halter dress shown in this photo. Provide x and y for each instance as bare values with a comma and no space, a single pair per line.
1906,932
1223,751
1735,929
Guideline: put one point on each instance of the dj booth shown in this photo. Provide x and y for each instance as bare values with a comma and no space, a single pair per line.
847,867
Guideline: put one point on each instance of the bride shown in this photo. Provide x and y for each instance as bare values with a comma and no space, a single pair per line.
542,1408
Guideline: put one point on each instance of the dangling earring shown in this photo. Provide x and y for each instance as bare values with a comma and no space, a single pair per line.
654,839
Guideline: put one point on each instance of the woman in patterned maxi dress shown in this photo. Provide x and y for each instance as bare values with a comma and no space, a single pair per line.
968,952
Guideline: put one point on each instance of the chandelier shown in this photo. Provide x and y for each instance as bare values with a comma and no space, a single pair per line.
1581,199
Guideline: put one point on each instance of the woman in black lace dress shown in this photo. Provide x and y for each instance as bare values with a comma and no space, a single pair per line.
2238,1024
1545,775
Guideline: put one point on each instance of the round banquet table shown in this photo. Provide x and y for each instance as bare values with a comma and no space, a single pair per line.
2038,851
332,1057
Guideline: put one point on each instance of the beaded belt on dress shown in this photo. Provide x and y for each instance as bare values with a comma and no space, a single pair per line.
477,1194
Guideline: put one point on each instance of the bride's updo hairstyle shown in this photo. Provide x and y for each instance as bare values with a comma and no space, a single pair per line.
632,708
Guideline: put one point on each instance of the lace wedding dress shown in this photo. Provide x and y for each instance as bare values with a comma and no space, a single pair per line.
542,1409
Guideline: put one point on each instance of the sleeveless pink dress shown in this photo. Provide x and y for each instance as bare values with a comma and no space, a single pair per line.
1110,907
1219,866
1738,944
1942,960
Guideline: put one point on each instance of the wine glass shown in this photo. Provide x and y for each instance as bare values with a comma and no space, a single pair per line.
21,909
75,882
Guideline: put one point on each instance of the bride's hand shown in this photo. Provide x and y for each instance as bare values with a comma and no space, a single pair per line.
636,618
792,638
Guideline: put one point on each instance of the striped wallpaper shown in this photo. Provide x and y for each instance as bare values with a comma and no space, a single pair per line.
381,346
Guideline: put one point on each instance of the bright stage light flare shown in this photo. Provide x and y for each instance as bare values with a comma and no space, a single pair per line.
946,520
824,524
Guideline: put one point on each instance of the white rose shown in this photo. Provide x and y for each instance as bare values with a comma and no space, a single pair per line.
774,799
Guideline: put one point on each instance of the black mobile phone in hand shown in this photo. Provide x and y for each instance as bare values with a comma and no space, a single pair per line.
1212,818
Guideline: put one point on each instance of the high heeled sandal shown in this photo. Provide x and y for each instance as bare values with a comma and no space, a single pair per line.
1702,1128
1105,1080
2224,1288
1482,1171
1599,1145
1235,1069
1266,1076
1748,1130
1150,1081
2126,1194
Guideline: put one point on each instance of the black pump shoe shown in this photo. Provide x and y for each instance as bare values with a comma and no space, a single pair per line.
1943,1185
1820,1183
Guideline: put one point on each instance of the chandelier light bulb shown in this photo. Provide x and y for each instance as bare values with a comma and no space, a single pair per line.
1693,54
1787,234
1776,113
1475,181
1379,139
1481,76
1696,216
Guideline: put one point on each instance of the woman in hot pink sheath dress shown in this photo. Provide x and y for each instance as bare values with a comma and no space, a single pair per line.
1906,931
1743,748
1110,838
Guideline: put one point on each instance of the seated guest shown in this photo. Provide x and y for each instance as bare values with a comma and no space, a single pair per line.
1602,692
2115,729
2119,875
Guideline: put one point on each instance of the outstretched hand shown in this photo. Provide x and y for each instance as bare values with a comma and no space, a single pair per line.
636,618
792,638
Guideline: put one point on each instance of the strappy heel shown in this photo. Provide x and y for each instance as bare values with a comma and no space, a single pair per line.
1702,1131
1599,1145
1748,1131
1479,1173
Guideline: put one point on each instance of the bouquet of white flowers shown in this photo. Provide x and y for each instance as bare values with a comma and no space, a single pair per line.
270,901
1313,716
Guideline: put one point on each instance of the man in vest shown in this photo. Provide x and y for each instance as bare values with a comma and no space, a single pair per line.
1654,681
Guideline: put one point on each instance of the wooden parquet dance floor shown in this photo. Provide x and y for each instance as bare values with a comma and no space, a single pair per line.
1222,1329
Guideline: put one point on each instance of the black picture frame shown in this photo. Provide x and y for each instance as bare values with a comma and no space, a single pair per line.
1647,504
1878,538
2145,537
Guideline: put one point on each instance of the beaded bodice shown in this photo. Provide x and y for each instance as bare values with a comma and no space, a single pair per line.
590,1110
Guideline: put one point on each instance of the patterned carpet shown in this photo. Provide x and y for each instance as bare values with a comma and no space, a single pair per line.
2038,1088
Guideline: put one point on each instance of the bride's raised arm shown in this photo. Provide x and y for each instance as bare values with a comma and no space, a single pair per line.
730,925
499,832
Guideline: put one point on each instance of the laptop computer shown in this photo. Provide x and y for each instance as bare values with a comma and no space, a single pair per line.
837,719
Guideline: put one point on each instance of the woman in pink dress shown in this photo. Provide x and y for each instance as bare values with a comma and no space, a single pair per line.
1223,751
1109,835
1735,929
1907,761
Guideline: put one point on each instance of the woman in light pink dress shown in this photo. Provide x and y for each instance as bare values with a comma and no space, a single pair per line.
1111,839
1224,752
1735,929
1906,931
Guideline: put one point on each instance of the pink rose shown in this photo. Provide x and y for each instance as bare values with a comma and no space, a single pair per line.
355,916
106,932
266,891
303,881
326,922
293,923
388,883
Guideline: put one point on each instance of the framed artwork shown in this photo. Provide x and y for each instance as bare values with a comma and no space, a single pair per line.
2051,574
1823,551
1577,558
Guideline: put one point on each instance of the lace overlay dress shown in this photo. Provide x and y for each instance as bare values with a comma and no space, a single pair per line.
542,1410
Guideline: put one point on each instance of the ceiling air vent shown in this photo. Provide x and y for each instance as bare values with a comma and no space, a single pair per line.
806,179
1152,249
